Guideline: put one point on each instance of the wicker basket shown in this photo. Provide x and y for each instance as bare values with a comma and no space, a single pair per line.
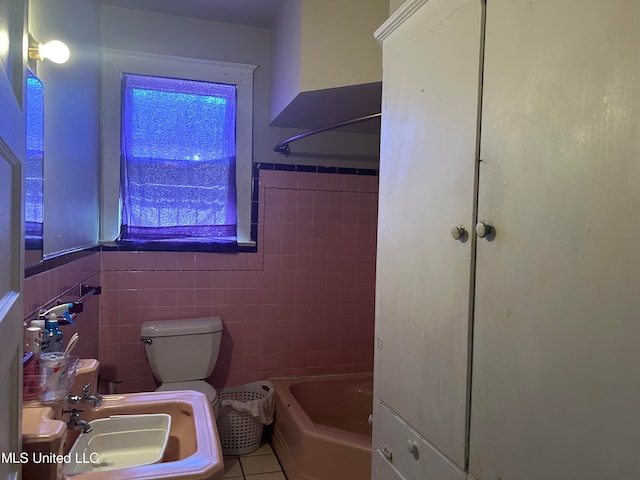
241,433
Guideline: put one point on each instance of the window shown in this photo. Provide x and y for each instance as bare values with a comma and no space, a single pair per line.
186,87
178,160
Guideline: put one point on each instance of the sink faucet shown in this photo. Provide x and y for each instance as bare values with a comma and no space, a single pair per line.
75,422
86,397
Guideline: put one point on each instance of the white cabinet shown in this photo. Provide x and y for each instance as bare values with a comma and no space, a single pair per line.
431,68
556,369
408,452
512,356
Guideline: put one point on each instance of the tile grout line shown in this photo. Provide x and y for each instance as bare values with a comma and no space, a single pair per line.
244,477
268,453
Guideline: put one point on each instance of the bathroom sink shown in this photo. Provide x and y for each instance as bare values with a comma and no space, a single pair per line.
192,450
119,441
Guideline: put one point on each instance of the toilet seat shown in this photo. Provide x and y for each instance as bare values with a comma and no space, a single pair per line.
197,385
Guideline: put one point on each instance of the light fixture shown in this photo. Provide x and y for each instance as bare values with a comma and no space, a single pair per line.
55,50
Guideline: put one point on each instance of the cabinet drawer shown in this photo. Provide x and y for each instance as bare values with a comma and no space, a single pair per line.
381,469
408,452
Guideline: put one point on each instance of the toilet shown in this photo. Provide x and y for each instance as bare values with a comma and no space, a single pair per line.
182,353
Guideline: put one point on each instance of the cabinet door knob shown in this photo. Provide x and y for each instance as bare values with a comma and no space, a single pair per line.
457,232
483,229
412,447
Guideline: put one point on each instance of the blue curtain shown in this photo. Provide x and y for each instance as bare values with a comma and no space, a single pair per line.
178,160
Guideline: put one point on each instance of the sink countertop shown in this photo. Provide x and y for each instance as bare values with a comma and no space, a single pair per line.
39,423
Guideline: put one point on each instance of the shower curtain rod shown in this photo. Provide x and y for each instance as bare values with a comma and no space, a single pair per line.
283,146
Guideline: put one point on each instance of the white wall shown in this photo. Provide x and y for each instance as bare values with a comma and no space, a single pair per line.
327,63
324,45
72,99
285,55
71,148
127,29
394,5
338,47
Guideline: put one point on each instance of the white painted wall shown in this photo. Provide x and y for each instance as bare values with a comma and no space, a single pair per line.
72,115
394,5
135,30
338,47
319,50
180,36
286,55
72,99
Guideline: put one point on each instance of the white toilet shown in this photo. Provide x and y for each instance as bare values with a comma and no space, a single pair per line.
182,353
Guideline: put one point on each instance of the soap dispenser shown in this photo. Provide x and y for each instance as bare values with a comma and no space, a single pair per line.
51,324
54,333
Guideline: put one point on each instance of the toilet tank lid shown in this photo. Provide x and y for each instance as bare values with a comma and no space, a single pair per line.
186,326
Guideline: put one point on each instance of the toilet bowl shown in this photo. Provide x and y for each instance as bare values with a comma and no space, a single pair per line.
183,353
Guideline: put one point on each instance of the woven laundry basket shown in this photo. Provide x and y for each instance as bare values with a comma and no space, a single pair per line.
240,432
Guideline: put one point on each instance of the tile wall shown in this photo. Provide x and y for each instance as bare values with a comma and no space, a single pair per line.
63,282
302,305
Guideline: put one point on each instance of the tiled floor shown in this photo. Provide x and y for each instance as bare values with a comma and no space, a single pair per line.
259,465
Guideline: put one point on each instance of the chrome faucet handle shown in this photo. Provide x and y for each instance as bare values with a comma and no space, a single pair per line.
73,399
85,389
74,411
75,422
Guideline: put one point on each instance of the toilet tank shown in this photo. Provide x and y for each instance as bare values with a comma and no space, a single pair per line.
182,350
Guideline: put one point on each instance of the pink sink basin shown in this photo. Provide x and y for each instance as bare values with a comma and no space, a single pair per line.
193,449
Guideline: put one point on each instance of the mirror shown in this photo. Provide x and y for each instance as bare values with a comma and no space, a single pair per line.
34,207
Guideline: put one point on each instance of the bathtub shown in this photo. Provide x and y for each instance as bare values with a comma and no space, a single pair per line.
321,429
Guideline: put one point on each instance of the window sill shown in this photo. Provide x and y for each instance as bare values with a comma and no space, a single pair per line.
180,246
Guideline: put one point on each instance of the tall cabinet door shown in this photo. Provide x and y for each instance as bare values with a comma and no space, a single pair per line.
428,152
556,376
